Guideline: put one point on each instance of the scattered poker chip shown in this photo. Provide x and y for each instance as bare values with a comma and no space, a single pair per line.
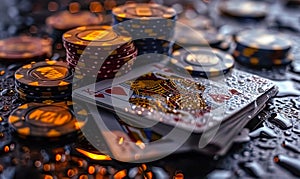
65,20
184,36
203,62
24,48
38,120
263,40
262,48
244,9
45,76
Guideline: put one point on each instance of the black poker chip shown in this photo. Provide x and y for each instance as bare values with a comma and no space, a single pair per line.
262,48
38,120
45,76
247,9
204,62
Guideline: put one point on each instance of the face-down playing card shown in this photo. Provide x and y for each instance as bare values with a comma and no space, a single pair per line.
161,100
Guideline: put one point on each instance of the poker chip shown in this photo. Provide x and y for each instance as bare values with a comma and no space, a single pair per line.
45,75
151,25
262,48
247,9
65,20
90,46
184,36
48,121
204,62
44,81
24,48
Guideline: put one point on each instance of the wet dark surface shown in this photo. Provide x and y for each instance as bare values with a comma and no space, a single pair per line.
267,148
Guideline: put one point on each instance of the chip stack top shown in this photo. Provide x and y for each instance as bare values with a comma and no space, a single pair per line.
150,25
92,47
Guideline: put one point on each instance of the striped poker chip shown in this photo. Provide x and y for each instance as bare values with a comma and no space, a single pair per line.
263,40
262,48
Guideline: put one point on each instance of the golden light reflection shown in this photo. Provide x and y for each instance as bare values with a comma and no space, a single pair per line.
74,7
96,7
120,174
91,170
149,175
178,176
48,177
52,6
121,141
93,156
6,149
58,157
140,144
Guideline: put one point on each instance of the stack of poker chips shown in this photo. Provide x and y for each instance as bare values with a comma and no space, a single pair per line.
44,81
262,49
99,52
49,122
150,25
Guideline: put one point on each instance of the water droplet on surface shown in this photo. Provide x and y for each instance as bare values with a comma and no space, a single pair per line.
281,122
289,163
263,132
290,146
254,169
220,174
